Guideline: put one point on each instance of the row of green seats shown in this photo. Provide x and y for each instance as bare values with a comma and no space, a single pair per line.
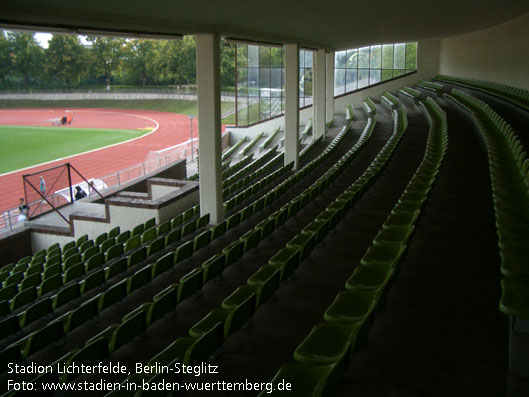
515,95
431,86
323,355
227,154
508,166
252,143
390,99
410,92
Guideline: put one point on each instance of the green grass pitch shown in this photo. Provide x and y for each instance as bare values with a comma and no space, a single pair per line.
22,147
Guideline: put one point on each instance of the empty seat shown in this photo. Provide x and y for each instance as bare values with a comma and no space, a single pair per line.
163,264
213,267
139,279
115,268
85,312
35,311
65,295
184,251
189,284
92,281
137,256
156,246
39,339
23,298
114,294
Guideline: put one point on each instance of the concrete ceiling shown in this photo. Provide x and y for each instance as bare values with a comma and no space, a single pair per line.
331,24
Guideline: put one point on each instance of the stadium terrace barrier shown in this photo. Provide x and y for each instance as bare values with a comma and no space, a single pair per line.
153,162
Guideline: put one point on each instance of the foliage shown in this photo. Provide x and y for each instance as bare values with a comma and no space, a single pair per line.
26,56
66,59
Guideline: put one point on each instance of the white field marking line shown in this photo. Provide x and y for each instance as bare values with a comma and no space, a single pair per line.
93,150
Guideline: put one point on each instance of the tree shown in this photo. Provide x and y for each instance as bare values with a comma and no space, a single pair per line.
177,60
26,55
5,58
227,64
65,59
139,60
107,56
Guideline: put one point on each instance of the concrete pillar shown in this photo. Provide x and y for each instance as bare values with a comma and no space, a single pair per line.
209,126
292,104
318,92
330,87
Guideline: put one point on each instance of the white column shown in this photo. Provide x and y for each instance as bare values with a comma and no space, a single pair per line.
330,87
209,126
318,92
292,104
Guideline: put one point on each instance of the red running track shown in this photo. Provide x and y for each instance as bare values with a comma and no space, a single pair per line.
172,130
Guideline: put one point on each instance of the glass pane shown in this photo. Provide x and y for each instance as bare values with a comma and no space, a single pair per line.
308,59
374,76
301,59
351,80
352,58
264,81
339,59
275,104
363,57
387,74
307,82
265,109
242,81
277,57
264,56
411,56
375,61
363,78
253,82
242,55
242,105
387,56
253,113
253,56
276,82
339,81
400,50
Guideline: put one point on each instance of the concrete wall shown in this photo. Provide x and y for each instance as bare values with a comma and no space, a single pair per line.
499,54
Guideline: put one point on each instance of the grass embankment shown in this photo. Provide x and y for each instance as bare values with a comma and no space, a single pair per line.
163,105
22,147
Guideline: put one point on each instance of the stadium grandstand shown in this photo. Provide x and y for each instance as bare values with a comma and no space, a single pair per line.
365,234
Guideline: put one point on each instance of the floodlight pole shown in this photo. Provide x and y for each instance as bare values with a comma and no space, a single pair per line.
191,117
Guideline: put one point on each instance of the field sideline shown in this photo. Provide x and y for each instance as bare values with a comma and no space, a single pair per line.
23,146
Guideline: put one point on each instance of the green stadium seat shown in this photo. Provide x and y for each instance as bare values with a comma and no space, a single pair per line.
156,246
52,270
115,268
49,284
213,267
95,261
139,279
35,311
65,295
138,230
70,252
67,246
10,354
327,343
73,273
218,230
148,235
15,278
114,294
4,308
287,259
8,292
121,238
305,242
203,221
53,247
23,298
190,351
114,252
114,232
92,281
102,237
189,284
513,300
88,355
162,304
81,240
266,227
246,213
132,243
163,228
90,252
177,221
30,281
267,280
137,256
173,236
233,319
105,245
352,306
150,223
234,220
383,254
71,261
201,240
85,312
370,277
189,214
184,251
53,260
163,264
84,246
251,239
127,331
9,326
43,337
189,228
233,252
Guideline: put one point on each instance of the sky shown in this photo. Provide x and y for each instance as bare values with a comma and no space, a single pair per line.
43,38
